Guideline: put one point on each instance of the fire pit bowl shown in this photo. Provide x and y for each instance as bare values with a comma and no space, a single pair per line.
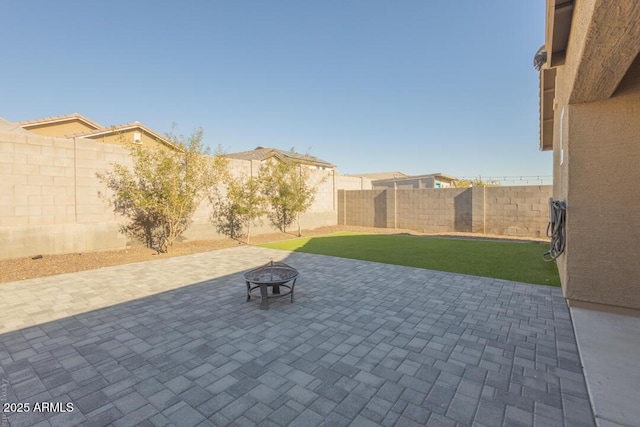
274,275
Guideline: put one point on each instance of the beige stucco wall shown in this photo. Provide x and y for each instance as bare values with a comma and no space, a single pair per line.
353,183
510,211
49,200
599,179
127,136
412,183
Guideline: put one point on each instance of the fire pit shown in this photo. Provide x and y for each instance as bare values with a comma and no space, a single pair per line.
274,275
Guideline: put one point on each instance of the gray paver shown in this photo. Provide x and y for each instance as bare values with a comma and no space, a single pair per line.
186,416
174,341
283,415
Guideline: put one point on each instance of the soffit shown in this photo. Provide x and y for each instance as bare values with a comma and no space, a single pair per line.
559,15
547,99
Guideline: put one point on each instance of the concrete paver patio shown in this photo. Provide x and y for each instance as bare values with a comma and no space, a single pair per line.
173,342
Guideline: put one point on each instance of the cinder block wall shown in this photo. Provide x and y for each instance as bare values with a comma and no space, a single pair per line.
49,201
509,211
366,208
517,211
49,197
434,209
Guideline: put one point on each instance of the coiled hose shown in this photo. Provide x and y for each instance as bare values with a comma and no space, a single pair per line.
556,229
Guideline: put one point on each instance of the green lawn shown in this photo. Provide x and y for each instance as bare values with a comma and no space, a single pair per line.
517,261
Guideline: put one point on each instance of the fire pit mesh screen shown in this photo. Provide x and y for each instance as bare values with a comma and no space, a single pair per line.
271,272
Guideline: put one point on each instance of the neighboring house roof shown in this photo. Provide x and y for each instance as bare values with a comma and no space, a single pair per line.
263,153
10,127
380,175
58,119
123,128
432,180
438,175
399,176
96,130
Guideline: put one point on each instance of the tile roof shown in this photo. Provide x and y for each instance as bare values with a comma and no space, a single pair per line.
113,129
123,127
263,153
381,175
64,118
437,175
98,128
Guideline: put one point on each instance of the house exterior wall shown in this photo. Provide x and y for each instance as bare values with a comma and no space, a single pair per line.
61,128
127,136
353,183
520,211
441,184
598,177
50,204
412,183
596,154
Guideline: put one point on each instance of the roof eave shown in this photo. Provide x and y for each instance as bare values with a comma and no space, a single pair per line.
126,127
558,29
59,119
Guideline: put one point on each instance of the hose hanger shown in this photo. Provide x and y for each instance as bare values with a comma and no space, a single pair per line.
556,229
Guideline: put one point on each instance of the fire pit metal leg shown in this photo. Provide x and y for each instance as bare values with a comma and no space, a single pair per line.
264,298
292,286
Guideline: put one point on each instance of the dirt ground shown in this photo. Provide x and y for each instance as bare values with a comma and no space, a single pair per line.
47,265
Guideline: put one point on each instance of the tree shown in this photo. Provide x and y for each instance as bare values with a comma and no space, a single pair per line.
160,194
241,205
285,185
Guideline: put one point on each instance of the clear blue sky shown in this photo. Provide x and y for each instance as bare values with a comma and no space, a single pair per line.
416,86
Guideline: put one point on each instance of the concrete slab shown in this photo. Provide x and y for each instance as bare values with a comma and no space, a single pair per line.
609,346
